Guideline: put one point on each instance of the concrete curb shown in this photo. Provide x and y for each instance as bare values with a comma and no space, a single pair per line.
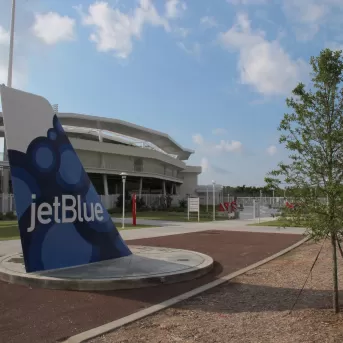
106,328
121,281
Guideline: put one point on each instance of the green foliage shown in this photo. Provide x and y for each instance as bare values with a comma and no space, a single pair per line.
312,133
120,199
9,216
140,203
252,191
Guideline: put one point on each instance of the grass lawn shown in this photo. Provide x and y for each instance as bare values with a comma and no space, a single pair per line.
277,223
9,230
177,216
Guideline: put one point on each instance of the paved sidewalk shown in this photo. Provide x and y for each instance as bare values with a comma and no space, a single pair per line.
14,246
151,222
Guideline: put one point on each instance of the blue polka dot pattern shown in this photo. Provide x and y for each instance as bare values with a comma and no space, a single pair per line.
70,167
52,134
50,168
44,157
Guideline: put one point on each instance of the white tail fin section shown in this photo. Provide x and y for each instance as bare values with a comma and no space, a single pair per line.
62,220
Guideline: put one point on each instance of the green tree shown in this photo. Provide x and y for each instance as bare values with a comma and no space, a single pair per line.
313,134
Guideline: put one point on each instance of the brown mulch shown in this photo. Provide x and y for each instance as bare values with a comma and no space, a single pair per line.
253,308
41,315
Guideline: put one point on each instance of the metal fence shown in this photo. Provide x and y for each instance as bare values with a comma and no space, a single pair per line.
263,206
255,210
7,203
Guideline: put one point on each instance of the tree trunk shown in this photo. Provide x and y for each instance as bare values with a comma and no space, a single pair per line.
339,247
334,270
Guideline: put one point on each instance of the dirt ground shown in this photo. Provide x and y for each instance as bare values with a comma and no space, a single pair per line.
253,308
34,315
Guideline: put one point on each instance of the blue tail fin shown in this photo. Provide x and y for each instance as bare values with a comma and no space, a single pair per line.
61,218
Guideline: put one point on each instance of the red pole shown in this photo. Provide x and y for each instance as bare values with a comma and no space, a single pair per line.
134,212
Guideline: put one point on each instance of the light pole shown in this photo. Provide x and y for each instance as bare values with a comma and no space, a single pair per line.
273,196
214,201
207,198
260,196
123,177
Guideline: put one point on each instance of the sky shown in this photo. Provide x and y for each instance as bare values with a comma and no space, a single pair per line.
214,75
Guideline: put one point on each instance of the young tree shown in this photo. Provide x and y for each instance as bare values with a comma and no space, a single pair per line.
313,133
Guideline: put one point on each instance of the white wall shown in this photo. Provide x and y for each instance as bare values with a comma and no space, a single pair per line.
87,145
190,182
92,159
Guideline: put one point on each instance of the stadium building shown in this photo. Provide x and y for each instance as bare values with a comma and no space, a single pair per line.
153,161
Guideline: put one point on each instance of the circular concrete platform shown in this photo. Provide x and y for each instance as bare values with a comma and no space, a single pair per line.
148,266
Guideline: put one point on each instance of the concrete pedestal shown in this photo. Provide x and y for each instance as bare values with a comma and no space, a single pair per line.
148,266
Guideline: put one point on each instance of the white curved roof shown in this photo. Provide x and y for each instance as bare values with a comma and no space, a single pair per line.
159,139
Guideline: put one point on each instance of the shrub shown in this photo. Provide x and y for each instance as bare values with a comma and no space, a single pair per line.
140,203
119,202
9,216
168,201
183,203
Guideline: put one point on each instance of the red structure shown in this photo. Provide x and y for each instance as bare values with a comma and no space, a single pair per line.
134,209
229,206
289,205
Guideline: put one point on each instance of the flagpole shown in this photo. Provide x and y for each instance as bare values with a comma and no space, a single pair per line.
10,59
5,185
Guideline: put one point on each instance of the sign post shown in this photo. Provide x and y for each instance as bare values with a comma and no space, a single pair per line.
194,206
134,209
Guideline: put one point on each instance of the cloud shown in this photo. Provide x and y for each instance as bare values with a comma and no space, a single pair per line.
233,146
204,164
220,170
175,8
208,167
194,49
219,131
308,16
198,139
263,64
4,36
335,46
271,150
182,31
208,22
247,2
52,28
114,30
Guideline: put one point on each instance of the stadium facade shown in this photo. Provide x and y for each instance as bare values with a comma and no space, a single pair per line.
153,161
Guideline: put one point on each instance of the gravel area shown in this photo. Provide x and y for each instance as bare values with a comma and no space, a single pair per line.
34,315
253,308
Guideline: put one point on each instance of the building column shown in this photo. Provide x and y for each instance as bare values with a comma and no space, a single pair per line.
104,177
102,159
140,186
164,187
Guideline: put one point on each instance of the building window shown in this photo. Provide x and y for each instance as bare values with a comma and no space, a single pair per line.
138,165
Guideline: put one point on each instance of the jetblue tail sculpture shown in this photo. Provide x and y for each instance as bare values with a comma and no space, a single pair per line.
62,220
